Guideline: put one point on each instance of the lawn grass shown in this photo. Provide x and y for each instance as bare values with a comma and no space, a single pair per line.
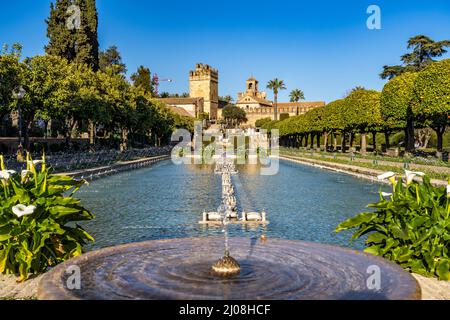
326,157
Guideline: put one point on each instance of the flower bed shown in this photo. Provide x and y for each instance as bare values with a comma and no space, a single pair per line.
38,216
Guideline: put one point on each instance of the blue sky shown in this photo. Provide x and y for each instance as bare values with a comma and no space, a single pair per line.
322,47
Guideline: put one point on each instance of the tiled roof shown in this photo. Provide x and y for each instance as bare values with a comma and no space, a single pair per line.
179,101
302,104
257,99
180,111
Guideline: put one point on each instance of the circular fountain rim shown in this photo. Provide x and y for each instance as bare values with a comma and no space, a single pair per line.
48,289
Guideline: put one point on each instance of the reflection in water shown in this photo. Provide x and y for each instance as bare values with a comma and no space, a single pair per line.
166,201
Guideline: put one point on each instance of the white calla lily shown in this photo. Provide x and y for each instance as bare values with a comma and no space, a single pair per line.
448,189
24,173
388,175
35,162
23,210
6,174
386,194
410,175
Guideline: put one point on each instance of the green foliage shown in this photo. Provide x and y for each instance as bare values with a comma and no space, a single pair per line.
432,90
424,50
79,45
11,72
334,116
203,116
260,122
284,116
360,111
363,112
412,228
46,233
276,85
432,97
296,95
234,115
112,58
273,124
397,99
142,78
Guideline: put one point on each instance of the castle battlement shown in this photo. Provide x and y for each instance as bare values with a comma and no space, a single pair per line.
204,71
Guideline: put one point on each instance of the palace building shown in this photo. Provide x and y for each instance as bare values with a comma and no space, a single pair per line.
204,97
256,105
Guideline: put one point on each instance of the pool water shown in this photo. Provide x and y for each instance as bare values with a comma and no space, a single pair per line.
167,201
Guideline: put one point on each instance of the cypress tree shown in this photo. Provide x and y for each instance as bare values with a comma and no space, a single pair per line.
78,45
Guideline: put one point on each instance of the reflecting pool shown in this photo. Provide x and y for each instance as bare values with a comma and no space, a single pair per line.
167,201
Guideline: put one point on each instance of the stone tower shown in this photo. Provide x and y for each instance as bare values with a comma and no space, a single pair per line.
204,83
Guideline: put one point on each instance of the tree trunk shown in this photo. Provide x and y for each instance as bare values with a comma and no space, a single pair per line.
325,140
334,141
312,141
363,142
73,125
275,107
91,132
45,129
426,141
352,139
386,140
306,141
318,140
440,134
123,140
26,139
374,141
343,138
409,135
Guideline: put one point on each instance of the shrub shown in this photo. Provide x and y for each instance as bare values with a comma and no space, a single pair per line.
411,226
261,122
37,219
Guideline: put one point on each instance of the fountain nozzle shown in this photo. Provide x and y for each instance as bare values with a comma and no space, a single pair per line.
226,266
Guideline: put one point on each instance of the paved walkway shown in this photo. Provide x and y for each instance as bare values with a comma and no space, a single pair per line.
10,289
433,289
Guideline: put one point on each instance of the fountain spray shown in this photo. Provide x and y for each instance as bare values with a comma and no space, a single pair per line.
227,265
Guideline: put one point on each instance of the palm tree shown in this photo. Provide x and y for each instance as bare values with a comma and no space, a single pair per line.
276,85
296,95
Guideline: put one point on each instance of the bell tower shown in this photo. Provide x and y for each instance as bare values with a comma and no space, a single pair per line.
252,87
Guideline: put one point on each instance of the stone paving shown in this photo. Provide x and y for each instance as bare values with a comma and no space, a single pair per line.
11,289
433,289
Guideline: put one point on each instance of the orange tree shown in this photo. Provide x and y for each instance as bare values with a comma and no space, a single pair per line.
396,106
432,97
363,113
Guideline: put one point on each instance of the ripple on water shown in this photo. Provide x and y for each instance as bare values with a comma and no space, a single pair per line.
166,201
273,269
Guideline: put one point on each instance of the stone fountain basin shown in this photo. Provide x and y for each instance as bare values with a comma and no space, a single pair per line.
270,269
